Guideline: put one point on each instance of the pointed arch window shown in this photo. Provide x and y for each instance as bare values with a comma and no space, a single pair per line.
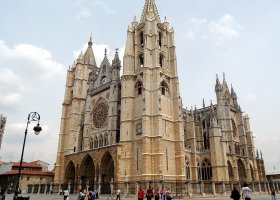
141,60
164,88
101,141
95,143
161,60
91,143
139,88
105,140
188,172
206,170
141,36
159,39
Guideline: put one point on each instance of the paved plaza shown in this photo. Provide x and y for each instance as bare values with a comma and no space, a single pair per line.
74,197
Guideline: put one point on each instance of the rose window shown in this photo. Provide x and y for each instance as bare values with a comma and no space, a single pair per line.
100,113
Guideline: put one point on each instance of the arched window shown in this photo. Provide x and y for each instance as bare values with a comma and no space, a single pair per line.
159,39
139,88
206,170
141,60
91,143
234,130
164,88
141,36
161,60
206,140
105,140
95,142
237,149
101,141
230,170
188,172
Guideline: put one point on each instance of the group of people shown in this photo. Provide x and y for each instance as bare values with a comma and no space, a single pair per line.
246,193
162,194
91,194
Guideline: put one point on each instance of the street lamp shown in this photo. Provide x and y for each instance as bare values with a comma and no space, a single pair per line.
33,116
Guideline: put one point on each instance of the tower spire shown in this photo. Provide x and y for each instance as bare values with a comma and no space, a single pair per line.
150,11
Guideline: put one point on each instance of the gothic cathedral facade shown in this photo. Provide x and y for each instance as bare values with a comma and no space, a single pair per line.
124,131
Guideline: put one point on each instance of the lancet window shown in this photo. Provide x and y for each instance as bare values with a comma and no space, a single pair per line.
161,60
91,143
164,88
159,39
141,60
205,170
139,88
141,36
95,142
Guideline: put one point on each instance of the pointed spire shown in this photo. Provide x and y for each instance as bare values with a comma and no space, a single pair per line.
261,154
218,86
212,114
89,55
257,153
224,81
233,94
81,56
150,11
116,63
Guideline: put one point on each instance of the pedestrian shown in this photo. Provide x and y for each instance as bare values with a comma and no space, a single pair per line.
273,196
149,193
140,194
168,194
118,194
81,195
157,194
162,193
246,192
66,194
235,195
2,194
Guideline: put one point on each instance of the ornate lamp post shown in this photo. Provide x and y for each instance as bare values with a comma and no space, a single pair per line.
33,116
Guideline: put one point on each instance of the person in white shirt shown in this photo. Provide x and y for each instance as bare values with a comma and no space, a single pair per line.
118,194
66,194
246,192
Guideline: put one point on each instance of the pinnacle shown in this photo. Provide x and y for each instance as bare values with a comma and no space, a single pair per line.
150,11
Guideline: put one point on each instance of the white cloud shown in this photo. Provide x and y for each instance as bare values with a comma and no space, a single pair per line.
226,27
216,31
30,59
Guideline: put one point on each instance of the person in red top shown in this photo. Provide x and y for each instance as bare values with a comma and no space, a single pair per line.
141,194
150,193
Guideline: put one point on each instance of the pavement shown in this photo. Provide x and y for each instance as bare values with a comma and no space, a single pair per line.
104,197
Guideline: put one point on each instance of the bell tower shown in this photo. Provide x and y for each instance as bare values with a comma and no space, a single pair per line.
151,121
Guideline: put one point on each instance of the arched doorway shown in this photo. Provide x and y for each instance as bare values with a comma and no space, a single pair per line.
87,173
230,171
241,170
70,176
107,170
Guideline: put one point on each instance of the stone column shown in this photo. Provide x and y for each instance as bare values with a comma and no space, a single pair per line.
189,186
202,188
273,184
59,188
112,186
137,186
223,187
99,186
213,188
253,186
126,188
32,190
260,188
265,188
39,188
46,187
268,188
277,186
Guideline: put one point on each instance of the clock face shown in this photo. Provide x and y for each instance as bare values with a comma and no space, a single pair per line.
103,80
139,128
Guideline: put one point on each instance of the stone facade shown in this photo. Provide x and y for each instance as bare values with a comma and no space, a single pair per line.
2,127
123,132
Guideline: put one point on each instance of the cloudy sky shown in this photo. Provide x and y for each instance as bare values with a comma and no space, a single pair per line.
40,39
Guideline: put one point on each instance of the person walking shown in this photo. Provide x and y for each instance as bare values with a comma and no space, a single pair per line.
65,194
246,192
118,194
81,195
162,193
168,194
235,195
273,195
150,193
140,194
157,194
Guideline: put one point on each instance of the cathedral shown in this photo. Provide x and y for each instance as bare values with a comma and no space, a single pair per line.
131,130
